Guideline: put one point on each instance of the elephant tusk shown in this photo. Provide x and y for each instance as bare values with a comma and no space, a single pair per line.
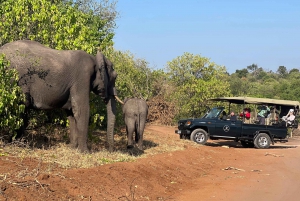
118,99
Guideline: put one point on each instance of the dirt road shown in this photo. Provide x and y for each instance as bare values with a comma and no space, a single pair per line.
254,175
219,171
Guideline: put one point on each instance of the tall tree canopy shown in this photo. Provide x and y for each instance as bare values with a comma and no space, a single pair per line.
196,79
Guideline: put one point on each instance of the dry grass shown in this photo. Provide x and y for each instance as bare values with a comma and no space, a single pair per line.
53,149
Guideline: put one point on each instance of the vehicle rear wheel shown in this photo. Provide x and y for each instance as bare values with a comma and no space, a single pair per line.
262,141
200,136
247,144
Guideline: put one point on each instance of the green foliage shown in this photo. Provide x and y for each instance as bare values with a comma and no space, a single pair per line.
283,84
134,75
160,84
196,79
10,98
282,71
242,73
97,113
54,23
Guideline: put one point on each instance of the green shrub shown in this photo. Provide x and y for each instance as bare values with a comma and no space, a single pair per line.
10,98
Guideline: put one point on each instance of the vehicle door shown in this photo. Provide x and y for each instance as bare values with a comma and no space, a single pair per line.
227,129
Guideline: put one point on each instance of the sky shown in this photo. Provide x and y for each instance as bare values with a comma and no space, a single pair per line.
231,33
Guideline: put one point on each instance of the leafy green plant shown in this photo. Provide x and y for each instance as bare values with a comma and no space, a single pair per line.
10,98
196,79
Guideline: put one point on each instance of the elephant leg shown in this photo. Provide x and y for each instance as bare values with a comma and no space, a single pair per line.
130,128
137,133
141,134
81,111
73,131
82,122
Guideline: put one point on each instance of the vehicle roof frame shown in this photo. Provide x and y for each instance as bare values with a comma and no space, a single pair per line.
257,101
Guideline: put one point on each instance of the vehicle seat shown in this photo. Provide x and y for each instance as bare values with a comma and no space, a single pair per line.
247,121
272,118
253,117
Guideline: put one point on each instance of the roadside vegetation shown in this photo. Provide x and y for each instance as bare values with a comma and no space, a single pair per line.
178,91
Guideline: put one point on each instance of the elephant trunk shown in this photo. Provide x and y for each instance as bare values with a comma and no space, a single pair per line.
111,119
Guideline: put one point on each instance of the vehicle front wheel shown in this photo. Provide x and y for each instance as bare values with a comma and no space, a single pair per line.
262,141
200,136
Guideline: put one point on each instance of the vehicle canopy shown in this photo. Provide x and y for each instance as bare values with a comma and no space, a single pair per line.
284,105
257,101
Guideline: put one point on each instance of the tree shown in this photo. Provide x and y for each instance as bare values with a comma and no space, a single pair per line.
134,75
294,70
242,73
58,24
196,79
252,68
239,86
282,71
105,9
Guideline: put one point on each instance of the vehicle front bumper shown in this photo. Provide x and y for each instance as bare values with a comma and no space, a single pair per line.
183,132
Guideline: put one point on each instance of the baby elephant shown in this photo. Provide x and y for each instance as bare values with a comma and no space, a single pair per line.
135,112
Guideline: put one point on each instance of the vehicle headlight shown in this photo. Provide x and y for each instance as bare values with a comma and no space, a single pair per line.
188,123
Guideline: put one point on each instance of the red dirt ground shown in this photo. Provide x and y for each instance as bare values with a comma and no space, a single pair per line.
218,171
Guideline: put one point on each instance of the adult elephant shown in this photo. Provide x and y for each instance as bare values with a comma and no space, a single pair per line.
64,79
135,113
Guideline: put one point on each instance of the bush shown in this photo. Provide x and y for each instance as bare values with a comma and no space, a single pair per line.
11,97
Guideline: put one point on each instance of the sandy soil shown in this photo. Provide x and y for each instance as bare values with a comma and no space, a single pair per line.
221,170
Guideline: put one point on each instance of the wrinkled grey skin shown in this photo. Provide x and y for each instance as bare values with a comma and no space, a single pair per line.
135,112
64,79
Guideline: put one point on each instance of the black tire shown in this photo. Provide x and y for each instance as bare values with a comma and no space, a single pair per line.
262,141
247,144
199,136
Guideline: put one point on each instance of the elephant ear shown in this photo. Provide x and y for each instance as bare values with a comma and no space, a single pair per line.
108,74
103,82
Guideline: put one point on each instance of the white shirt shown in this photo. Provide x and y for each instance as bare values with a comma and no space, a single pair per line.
291,118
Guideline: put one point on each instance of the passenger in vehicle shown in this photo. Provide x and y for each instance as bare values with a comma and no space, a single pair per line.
233,116
289,118
246,113
223,116
285,110
273,116
262,114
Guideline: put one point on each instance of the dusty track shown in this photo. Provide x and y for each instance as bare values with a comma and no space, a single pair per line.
213,172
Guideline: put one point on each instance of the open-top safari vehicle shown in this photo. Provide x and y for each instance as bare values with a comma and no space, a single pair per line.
216,123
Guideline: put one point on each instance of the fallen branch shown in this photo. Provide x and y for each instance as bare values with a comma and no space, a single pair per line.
233,168
267,154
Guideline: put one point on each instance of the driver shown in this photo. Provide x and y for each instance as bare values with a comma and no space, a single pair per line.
233,116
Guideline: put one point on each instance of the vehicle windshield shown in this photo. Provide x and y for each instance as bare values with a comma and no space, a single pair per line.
213,113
